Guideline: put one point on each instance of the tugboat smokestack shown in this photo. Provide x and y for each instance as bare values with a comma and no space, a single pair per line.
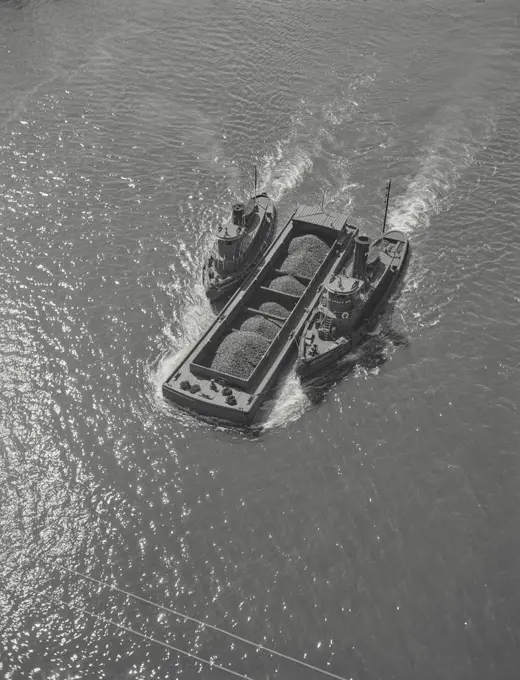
362,244
238,213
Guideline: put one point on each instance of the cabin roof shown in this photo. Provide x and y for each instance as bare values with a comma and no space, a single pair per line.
343,285
228,231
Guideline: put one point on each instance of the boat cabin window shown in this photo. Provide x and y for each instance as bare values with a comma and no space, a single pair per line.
226,247
229,253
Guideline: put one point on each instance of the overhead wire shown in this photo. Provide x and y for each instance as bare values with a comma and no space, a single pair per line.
186,617
144,636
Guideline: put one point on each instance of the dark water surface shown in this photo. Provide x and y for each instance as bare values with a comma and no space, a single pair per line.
375,533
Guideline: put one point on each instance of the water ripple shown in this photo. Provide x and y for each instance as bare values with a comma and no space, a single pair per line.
374,516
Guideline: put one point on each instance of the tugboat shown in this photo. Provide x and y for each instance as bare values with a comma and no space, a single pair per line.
241,241
350,300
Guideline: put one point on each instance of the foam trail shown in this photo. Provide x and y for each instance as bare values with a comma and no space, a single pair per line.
283,171
284,168
453,146
203,136
191,322
289,404
317,134
454,140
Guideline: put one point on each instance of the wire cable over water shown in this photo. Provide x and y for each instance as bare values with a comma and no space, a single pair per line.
99,617
257,646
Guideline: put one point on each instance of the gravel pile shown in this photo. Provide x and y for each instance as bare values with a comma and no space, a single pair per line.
305,242
239,353
274,308
287,284
257,324
305,254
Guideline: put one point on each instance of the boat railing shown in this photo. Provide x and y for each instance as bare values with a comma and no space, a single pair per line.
218,376
243,297
288,328
299,277
263,294
272,295
250,299
271,317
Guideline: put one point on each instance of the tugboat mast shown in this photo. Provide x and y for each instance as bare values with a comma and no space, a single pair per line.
387,199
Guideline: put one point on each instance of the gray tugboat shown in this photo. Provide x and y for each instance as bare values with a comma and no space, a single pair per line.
351,299
232,368
241,241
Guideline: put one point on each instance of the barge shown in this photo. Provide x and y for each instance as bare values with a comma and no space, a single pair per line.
231,369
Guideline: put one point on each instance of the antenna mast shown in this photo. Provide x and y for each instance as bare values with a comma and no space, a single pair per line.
387,199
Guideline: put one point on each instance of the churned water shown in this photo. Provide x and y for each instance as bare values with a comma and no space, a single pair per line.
372,532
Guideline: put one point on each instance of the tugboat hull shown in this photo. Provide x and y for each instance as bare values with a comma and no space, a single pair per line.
219,285
385,262
307,368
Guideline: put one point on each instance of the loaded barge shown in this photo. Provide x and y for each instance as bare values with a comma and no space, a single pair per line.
229,372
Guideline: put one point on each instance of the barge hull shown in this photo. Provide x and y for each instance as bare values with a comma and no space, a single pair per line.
197,386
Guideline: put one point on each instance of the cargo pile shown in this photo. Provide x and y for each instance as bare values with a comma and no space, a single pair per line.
240,352
287,284
261,325
305,254
275,309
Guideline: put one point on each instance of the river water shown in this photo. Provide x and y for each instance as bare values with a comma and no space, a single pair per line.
374,533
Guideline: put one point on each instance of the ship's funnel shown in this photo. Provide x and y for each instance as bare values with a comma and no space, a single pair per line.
361,246
238,214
